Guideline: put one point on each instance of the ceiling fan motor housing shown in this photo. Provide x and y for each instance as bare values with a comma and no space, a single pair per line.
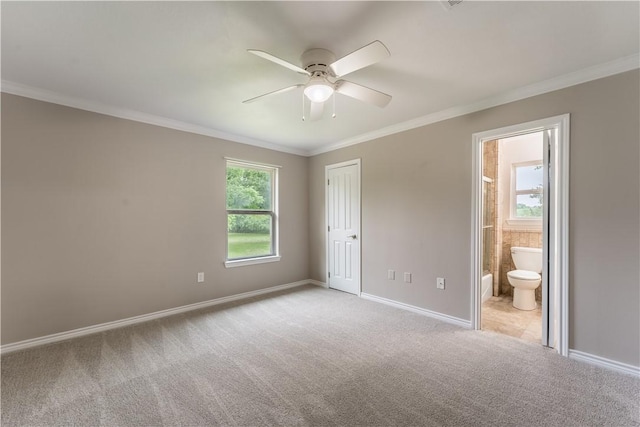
317,61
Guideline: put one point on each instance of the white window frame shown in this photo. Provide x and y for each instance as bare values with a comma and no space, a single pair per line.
275,250
513,197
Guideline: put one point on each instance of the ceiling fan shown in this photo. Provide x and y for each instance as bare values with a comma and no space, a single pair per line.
325,74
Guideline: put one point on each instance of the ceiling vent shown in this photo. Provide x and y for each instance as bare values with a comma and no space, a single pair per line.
449,4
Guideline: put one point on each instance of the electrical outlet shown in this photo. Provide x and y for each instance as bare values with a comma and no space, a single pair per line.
391,274
440,283
407,277
200,277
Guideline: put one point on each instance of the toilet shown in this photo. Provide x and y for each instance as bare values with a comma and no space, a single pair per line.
526,278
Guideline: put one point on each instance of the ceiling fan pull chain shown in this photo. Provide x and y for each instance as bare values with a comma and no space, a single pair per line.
334,106
303,106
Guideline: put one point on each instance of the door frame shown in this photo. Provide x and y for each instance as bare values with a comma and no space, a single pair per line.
327,168
558,254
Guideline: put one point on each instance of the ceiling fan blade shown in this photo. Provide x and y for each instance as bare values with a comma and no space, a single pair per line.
316,111
362,93
275,92
278,61
363,57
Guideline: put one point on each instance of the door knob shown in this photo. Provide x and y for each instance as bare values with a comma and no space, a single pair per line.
353,236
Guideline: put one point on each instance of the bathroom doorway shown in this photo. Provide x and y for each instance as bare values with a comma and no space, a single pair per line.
520,226
512,208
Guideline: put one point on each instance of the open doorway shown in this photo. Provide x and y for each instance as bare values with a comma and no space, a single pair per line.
512,211
520,231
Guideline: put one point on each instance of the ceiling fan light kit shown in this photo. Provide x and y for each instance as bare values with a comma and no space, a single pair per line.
318,89
323,71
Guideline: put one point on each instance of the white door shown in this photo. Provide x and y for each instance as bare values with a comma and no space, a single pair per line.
546,238
343,227
551,222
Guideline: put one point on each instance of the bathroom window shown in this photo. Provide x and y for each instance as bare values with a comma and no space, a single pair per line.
252,220
526,194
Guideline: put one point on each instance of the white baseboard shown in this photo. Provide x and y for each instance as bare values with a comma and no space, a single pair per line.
62,336
605,363
444,317
318,283
75,333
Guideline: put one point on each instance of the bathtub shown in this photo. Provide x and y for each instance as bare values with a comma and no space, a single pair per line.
487,287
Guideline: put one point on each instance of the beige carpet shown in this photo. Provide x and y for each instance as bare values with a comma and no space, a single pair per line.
308,356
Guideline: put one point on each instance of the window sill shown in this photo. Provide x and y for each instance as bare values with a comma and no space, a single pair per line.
534,224
251,261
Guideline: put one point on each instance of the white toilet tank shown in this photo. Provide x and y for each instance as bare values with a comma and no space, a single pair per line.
527,258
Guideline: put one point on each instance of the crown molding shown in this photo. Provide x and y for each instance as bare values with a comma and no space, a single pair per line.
137,116
618,66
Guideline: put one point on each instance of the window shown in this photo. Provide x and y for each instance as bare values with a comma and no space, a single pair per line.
252,221
526,195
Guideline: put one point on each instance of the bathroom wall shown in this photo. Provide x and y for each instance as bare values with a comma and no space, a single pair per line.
519,149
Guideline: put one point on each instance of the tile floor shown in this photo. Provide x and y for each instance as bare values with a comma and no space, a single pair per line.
499,315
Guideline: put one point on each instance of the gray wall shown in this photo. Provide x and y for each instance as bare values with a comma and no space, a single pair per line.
104,218
416,210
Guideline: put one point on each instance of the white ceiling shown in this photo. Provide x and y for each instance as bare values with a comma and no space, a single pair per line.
187,61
